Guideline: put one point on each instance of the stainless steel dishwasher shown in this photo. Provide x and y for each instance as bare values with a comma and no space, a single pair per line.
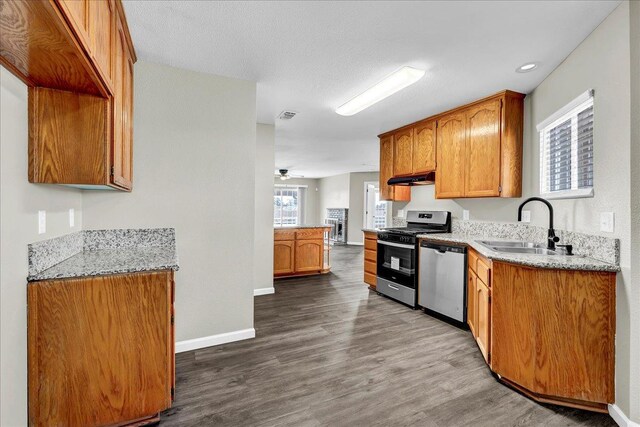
442,281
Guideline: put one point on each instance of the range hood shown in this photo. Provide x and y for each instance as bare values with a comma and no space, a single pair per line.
423,179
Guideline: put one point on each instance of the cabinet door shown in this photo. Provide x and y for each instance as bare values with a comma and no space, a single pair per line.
482,175
102,27
99,349
123,108
483,324
283,257
309,255
451,136
76,12
386,167
424,148
472,304
402,152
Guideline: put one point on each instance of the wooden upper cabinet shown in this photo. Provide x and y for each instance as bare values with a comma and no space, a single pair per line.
482,159
388,192
424,147
451,141
102,25
77,58
402,152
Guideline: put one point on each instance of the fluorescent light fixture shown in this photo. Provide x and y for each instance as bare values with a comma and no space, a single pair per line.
391,84
525,68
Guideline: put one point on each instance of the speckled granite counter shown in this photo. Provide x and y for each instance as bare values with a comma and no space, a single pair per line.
293,227
542,261
101,252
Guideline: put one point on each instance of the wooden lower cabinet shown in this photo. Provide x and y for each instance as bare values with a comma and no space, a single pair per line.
100,349
309,255
284,257
370,258
299,252
548,333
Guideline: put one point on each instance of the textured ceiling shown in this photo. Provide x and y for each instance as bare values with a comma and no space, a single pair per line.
311,57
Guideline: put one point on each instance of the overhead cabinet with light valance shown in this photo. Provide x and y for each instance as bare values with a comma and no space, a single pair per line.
470,151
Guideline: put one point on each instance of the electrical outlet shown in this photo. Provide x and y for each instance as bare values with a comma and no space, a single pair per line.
465,215
400,213
526,216
42,222
607,222
72,218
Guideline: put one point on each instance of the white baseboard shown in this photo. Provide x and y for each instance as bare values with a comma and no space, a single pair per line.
211,340
264,291
356,243
620,418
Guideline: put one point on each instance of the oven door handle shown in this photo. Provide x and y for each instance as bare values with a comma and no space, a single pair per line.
396,245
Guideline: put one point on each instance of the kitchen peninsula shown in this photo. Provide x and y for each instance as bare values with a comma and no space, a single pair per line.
301,250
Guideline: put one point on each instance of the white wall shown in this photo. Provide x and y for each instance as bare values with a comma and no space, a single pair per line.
602,63
334,193
263,243
356,204
311,197
19,205
194,169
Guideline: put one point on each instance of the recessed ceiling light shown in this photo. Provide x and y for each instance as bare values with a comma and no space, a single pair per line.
525,68
391,84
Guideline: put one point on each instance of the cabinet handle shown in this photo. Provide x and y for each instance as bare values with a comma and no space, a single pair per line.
393,287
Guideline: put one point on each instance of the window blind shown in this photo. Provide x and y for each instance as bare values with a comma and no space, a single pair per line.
566,150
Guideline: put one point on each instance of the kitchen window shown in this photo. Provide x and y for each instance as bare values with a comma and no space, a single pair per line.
566,150
288,205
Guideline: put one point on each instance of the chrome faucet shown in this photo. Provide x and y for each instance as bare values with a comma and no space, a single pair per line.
552,239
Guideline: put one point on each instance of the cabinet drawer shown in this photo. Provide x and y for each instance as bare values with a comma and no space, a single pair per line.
371,244
472,260
370,267
484,272
284,235
370,255
370,279
308,234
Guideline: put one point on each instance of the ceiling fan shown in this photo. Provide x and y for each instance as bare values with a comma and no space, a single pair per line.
284,174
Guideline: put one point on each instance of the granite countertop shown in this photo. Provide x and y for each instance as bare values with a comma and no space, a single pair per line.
371,230
101,252
111,261
563,262
293,227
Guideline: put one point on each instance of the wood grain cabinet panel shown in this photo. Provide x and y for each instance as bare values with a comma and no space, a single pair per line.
403,152
451,142
102,27
482,158
370,259
483,316
100,349
284,257
424,147
309,255
472,304
388,192
554,334
77,13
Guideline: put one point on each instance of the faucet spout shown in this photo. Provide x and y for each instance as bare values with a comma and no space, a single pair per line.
551,235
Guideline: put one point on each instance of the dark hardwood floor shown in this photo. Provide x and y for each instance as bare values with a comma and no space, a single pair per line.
329,352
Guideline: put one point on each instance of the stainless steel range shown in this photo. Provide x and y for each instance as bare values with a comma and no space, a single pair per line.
398,254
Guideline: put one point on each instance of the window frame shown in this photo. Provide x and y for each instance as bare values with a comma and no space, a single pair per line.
299,207
562,115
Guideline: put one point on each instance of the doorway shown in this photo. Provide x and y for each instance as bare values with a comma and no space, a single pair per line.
376,212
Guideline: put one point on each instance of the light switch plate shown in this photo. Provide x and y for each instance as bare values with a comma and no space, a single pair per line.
607,222
526,216
72,218
465,215
42,222
400,213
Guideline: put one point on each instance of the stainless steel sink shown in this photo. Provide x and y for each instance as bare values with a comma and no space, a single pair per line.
516,247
